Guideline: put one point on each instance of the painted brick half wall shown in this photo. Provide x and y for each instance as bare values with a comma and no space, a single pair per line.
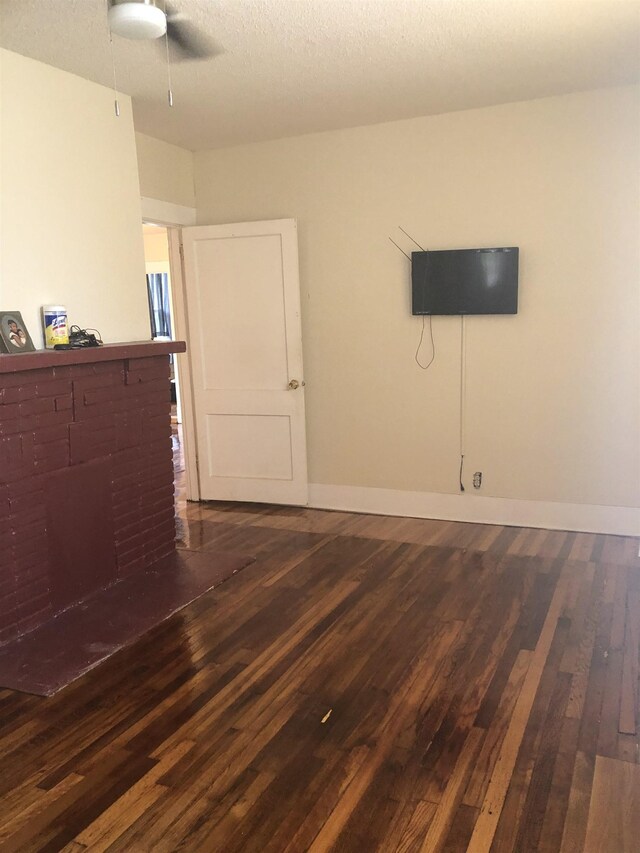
86,482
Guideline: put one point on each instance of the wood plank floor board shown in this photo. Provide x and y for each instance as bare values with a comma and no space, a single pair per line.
629,709
540,784
631,552
555,816
584,647
452,795
575,825
373,814
582,547
596,683
598,547
525,800
496,730
614,816
519,641
369,683
579,612
457,841
610,709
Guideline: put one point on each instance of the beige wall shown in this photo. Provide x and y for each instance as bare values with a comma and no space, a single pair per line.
70,228
156,245
166,171
552,393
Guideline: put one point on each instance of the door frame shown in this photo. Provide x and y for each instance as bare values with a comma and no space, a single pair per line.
173,217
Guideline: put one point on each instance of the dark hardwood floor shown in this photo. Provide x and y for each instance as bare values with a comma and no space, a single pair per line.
368,684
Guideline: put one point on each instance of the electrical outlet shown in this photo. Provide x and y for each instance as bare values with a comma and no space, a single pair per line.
477,479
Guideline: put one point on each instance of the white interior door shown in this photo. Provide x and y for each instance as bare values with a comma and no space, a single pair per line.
243,308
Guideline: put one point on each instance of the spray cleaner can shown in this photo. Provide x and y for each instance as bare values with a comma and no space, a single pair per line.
56,330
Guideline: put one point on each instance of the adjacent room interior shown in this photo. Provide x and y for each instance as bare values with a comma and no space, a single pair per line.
334,543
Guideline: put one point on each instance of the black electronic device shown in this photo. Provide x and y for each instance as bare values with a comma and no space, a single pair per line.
84,338
81,338
465,281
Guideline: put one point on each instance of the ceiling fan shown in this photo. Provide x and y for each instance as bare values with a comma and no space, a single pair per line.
147,19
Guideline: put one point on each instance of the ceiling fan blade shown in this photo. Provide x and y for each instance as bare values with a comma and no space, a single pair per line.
187,41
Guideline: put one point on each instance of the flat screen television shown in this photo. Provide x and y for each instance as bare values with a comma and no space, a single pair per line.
465,281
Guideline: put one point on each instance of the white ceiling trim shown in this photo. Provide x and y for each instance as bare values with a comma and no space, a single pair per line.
166,213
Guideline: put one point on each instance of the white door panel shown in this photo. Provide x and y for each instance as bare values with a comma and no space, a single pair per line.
246,345
243,299
236,446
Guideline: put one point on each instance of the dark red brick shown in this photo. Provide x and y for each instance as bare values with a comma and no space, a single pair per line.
25,378
62,404
53,462
44,435
16,394
52,387
10,411
22,425
36,406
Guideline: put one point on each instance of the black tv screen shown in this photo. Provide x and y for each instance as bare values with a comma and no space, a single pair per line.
465,281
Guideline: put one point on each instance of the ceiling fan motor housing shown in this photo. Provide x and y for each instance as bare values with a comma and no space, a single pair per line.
137,19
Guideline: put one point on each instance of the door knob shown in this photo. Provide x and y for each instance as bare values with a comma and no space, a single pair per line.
293,384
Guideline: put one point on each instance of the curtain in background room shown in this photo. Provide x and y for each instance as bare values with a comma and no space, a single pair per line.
159,304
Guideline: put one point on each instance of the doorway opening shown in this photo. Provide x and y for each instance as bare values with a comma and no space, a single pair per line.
240,414
162,322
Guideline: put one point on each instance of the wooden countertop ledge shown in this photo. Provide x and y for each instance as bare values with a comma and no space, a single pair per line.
17,362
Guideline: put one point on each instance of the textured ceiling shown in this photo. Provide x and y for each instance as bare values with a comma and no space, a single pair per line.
297,66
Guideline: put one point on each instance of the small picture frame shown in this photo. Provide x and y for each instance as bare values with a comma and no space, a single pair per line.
14,336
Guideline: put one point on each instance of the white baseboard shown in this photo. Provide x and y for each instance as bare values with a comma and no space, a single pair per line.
618,520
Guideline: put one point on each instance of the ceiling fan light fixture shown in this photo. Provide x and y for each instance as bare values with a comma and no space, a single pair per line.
134,19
